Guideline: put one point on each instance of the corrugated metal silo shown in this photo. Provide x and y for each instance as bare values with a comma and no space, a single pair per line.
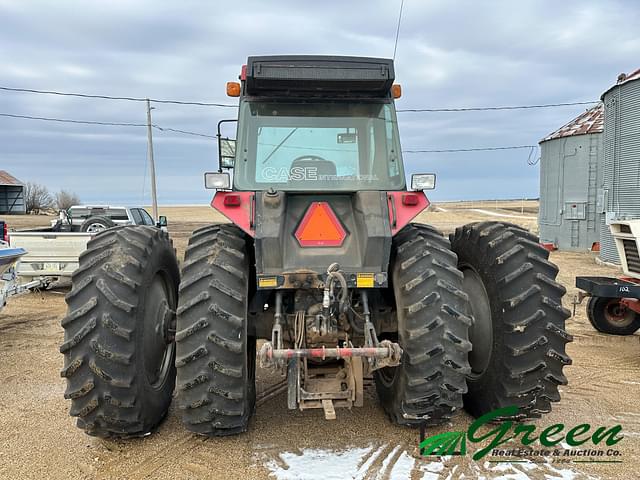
570,176
621,189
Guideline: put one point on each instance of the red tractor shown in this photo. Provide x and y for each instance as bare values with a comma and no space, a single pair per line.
321,266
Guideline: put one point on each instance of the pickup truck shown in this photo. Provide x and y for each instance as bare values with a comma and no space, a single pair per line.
54,252
95,218
50,253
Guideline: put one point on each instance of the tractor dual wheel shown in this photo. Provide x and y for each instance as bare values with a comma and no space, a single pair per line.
608,315
216,357
118,332
428,385
518,332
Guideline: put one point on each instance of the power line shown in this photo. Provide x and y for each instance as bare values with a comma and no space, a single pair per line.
506,107
224,105
478,149
109,97
204,135
395,45
110,124
67,120
185,132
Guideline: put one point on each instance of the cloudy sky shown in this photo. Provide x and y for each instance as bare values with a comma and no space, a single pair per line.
450,54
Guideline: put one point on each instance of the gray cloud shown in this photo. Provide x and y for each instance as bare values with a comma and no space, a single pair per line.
450,54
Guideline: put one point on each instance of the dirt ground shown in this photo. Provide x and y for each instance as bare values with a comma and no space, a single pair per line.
39,440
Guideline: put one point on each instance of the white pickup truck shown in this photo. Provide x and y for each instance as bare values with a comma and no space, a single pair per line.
54,252
50,254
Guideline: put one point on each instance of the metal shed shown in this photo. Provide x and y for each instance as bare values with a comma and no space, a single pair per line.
570,174
621,188
11,194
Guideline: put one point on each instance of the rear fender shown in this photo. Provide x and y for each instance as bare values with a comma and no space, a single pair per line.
404,207
239,208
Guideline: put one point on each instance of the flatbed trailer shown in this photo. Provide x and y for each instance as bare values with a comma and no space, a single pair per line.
9,285
10,288
623,287
614,303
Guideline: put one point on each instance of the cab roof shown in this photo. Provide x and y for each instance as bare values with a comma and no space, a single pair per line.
318,75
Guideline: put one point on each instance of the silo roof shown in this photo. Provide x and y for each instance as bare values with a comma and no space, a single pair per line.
591,121
7,179
622,79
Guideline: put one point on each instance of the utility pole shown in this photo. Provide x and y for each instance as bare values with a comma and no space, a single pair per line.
154,198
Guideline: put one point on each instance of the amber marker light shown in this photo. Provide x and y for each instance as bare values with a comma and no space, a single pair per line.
233,89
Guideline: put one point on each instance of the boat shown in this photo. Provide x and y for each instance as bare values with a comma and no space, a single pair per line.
8,257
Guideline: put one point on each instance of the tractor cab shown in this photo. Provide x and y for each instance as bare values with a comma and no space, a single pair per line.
317,167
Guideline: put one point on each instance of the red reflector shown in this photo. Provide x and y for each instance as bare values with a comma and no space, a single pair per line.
243,73
232,201
320,227
410,199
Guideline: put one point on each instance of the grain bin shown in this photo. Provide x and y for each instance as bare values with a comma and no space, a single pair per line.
570,176
621,189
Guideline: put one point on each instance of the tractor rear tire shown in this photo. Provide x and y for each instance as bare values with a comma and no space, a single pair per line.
608,316
518,334
118,350
428,385
216,358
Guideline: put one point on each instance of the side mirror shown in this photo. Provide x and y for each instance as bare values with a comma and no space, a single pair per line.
227,152
423,181
217,181
162,221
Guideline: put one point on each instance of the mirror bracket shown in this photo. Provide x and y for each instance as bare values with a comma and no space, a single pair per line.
225,159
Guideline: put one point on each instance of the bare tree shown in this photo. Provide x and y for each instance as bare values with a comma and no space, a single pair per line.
65,199
37,197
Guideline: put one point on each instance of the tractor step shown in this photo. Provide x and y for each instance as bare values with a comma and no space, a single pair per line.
329,411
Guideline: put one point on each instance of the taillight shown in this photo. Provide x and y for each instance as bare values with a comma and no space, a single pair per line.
5,232
232,201
410,199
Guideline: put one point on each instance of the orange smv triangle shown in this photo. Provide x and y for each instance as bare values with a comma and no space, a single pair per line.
320,227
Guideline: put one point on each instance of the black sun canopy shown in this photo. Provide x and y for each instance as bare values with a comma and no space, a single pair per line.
315,75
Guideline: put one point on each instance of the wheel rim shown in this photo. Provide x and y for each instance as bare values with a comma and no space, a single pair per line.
481,331
618,314
159,318
95,228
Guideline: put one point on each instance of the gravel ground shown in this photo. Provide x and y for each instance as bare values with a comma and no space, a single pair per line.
39,440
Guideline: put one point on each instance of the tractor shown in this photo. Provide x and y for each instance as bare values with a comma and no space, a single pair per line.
320,273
